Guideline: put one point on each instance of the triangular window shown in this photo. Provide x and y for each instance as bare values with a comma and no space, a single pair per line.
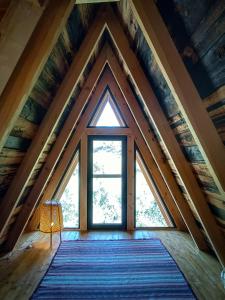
107,114
68,193
148,213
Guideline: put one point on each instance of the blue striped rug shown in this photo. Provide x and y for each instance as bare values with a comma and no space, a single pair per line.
119,269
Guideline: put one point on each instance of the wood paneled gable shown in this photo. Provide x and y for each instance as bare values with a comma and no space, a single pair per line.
179,136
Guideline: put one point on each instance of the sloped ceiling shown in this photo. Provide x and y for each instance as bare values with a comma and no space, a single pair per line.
68,44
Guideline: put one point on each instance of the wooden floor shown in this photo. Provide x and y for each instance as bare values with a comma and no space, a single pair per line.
21,271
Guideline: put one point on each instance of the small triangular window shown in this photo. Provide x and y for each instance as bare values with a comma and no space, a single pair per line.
107,114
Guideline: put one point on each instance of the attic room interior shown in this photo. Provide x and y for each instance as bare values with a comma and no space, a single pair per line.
112,158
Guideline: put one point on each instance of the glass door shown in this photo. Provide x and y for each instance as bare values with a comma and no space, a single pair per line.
107,165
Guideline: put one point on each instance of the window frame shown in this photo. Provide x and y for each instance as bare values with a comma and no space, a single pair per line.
90,224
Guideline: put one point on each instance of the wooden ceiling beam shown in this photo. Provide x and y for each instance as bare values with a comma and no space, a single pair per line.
159,120
31,63
49,123
67,156
158,166
36,192
152,167
154,171
65,159
182,88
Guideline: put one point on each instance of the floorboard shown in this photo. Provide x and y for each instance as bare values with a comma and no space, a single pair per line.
21,270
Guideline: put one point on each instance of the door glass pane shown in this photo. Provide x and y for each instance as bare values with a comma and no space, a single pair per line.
107,157
107,202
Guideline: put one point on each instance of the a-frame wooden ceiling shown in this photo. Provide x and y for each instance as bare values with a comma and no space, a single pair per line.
126,79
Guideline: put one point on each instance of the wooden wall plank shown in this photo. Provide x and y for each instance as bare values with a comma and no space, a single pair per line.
182,88
49,123
160,122
31,62
154,170
67,156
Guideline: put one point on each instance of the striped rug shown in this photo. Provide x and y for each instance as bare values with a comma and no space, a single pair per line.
119,269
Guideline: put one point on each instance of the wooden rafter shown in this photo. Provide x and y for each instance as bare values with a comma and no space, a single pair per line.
66,158
168,138
154,170
68,154
56,177
31,63
166,134
138,120
182,88
122,104
49,122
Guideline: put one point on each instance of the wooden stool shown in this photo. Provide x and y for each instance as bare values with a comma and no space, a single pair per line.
51,219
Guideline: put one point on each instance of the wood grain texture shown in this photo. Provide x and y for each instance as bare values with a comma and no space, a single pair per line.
49,123
182,89
31,63
160,122
28,263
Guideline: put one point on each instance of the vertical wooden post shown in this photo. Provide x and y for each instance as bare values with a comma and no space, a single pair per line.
130,183
83,182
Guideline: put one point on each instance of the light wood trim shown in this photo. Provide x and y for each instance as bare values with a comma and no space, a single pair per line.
66,177
31,63
108,131
130,183
159,120
83,183
182,88
152,189
54,156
